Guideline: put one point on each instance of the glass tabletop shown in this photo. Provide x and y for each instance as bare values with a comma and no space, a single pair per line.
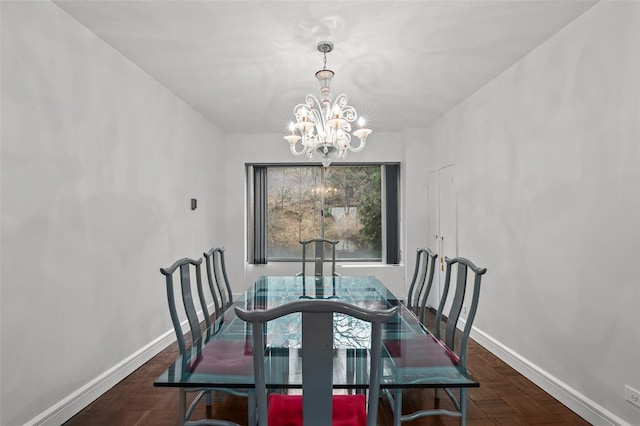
224,357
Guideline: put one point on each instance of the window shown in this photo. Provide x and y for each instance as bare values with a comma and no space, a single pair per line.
355,204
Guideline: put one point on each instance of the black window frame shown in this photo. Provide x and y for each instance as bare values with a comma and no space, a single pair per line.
256,177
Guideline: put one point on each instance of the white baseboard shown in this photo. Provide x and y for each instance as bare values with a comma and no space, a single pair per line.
574,400
81,398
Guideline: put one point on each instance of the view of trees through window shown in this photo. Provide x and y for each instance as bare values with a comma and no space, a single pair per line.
350,197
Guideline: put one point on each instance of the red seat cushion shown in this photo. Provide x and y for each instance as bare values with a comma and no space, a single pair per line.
224,357
421,351
348,410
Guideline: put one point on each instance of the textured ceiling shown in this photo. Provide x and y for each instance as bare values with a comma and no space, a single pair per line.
245,64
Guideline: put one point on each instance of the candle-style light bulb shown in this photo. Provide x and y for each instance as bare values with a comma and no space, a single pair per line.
293,138
361,134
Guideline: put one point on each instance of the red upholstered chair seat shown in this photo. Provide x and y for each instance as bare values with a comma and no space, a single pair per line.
420,351
224,357
348,410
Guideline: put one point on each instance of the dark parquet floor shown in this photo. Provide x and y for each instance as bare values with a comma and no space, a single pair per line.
504,397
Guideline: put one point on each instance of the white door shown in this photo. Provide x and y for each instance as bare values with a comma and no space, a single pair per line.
442,224
448,223
433,229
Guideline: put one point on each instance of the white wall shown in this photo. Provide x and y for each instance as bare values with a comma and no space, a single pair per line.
99,163
548,192
414,209
243,149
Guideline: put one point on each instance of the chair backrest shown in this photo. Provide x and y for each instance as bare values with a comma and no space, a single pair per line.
187,269
315,250
430,267
317,355
423,273
217,270
461,265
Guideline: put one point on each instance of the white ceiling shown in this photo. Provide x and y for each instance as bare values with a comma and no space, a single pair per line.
246,64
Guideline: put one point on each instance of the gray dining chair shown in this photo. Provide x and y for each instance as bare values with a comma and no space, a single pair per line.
185,270
315,251
188,269
421,282
317,405
218,279
458,353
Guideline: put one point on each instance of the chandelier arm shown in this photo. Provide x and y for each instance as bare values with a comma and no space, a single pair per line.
297,111
341,100
320,124
317,116
312,102
358,148
294,150
315,108
349,113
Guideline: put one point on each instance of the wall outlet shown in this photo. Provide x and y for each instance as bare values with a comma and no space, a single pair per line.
632,395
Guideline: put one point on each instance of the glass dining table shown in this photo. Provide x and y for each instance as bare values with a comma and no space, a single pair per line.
413,358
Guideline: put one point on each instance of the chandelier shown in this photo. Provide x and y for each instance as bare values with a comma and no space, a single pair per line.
323,128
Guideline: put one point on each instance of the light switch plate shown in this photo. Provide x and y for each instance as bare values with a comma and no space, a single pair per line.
632,395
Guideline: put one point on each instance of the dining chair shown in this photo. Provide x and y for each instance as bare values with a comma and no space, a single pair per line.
186,269
317,406
457,353
217,271
314,251
422,273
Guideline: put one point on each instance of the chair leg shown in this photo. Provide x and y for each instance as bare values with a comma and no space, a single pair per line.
208,400
397,409
463,406
182,407
251,401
